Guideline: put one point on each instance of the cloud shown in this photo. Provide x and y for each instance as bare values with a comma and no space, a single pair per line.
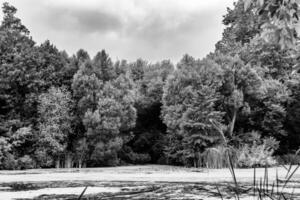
151,29
158,28
84,21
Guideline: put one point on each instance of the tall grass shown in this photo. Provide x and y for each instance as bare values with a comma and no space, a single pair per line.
216,158
262,188
82,193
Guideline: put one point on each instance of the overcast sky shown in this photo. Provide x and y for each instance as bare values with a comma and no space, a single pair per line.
127,29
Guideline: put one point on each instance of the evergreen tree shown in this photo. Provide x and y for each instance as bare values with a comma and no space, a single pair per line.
188,108
103,66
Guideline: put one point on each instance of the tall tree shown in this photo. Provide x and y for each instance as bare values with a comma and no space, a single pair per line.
103,66
147,144
188,107
201,98
241,27
241,88
114,115
55,122
86,87
137,69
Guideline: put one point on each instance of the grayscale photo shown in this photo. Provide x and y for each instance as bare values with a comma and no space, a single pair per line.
149,99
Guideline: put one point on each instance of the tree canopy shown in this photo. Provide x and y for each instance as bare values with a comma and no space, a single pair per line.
82,111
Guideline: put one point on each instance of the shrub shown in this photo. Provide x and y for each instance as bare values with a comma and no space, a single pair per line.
128,155
106,154
257,154
26,162
43,158
288,159
141,157
10,162
5,149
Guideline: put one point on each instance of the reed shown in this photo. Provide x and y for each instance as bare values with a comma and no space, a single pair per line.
260,188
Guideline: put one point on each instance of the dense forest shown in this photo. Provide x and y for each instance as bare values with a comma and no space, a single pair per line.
67,111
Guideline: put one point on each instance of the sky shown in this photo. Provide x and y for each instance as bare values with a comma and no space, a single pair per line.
127,29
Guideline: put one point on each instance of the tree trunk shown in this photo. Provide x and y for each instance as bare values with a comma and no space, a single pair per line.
68,160
57,163
197,159
80,162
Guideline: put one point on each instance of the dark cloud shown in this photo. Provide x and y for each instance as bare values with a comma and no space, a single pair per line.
97,21
85,21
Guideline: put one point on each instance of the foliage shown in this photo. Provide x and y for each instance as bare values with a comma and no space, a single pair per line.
106,153
26,162
149,132
288,159
5,152
77,111
104,66
241,27
258,153
199,82
137,70
55,120
279,19
114,113
105,109
292,114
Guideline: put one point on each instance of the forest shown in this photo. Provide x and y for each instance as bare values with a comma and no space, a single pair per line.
65,111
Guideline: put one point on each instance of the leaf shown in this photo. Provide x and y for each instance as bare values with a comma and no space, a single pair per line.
247,4
297,28
261,3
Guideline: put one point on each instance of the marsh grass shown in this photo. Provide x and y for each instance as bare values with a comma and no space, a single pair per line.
262,188
82,193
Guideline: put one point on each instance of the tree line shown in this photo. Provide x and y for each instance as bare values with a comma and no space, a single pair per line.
67,111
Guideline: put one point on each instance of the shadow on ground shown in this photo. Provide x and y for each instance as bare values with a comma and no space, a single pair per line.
134,190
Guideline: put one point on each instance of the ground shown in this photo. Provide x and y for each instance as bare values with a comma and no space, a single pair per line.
137,182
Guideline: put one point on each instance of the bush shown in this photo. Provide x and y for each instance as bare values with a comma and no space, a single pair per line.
9,162
106,154
128,155
257,154
5,149
140,157
43,159
26,162
288,159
